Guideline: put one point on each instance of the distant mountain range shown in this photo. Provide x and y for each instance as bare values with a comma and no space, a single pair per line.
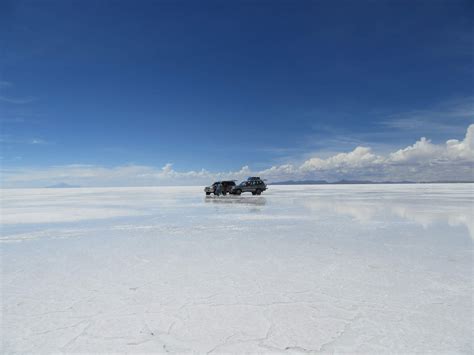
61,185
348,182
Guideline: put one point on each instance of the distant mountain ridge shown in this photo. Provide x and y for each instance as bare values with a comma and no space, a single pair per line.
363,182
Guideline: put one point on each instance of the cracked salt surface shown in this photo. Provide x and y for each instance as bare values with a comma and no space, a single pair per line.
345,269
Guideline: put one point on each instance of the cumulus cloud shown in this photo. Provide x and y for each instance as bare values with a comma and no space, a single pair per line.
358,158
424,151
422,161
462,149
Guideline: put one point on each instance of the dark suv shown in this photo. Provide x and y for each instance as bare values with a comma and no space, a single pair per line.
255,185
226,187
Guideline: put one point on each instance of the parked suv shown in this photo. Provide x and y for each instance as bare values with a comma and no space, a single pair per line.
226,187
255,185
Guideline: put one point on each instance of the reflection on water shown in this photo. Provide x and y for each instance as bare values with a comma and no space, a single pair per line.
424,213
342,263
231,199
425,205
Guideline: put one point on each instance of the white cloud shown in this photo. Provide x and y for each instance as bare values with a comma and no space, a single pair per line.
424,151
462,149
128,175
358,158
424,160
37,141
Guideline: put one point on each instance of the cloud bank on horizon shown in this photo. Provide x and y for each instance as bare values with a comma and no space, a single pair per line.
422,161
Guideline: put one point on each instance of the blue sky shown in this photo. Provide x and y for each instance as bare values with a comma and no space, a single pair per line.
225,85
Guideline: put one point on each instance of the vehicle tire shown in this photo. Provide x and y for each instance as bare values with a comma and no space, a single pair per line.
208,193
238,192
254,193
258,192
224,193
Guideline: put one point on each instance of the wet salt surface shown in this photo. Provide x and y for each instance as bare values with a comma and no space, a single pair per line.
350,268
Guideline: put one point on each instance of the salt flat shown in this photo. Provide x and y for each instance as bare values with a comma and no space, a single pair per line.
349,268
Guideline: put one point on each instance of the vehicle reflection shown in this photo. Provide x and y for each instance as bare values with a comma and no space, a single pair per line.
424,214
243,200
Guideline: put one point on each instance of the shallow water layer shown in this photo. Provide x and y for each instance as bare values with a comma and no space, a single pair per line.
349,268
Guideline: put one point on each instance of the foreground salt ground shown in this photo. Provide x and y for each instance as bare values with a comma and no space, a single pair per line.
355,268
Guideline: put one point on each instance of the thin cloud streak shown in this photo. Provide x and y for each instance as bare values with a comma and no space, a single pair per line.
6,139
5,84
447,116
17,101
